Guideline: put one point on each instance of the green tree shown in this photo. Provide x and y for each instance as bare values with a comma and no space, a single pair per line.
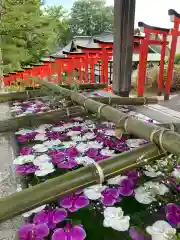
26,33
59,15
177,59
90,17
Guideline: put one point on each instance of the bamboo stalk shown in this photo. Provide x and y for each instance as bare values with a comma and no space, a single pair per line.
126,100
167,140
30,120
50,190
37,92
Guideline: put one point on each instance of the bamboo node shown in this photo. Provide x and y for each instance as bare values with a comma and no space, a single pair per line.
27,94
125,119
99,171
84,104
67,112
109,101
100,109
145,100
172,128
160,137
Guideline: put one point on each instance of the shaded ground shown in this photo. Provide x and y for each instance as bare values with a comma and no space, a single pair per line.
8,183
173,103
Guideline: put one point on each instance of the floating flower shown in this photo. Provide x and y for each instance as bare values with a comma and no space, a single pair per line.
40,137
26,169
73,133
94,192
23,159
110,196
24,131
40,148
84,160
74,202
45,169
92,152
52,143
114,218
94,144
26,150
107,152
82,147
173,214
36,210
51,217
110,132
33,232
152,171
161,230
126,187
116,180
176,173
136,235
67,164
147,194
73,233
133,175
42,159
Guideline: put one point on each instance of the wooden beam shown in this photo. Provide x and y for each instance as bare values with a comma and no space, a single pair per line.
124,12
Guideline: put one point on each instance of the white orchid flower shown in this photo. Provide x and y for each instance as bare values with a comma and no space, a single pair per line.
89,136
73,133
107,152
78,138
151,171
134,143
58,129
116,180
69,144
40,148
161,230
36,210
40,137
68,125
114,218
52,143
78,119
82,147
40,160
176,173
147,194
23,159
110,132
94,192
45,169
95,144
23,131
84,160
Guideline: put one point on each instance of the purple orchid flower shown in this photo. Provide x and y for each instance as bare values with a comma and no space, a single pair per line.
26,151
126,188
67,164
33,232
76,128
69,233
51,217
100,138
74,202
109,143
26,137
173,214
92,152
57,135
133,175
135,235
100,157
26,169
110,196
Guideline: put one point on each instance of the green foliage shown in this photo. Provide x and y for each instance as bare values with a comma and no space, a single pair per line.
177,59
27,33
90,17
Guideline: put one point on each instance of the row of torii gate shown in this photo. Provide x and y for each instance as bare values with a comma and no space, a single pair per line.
91,56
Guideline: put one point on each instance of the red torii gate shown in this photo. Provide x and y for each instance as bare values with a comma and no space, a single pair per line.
148,40
175,32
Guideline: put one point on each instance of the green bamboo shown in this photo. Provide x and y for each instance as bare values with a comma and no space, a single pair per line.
13,124
167,140
50,190
126,100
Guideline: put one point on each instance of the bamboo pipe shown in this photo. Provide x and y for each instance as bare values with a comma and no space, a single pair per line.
167,140
126,100
13,124
37,92
50,190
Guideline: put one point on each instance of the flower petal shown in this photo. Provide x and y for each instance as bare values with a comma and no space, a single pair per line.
42,231
59,215
81,201
59,234
77,233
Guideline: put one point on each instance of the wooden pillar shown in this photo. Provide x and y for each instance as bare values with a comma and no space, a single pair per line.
124,12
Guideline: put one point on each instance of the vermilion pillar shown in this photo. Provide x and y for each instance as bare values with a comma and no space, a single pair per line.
151,38
175,17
